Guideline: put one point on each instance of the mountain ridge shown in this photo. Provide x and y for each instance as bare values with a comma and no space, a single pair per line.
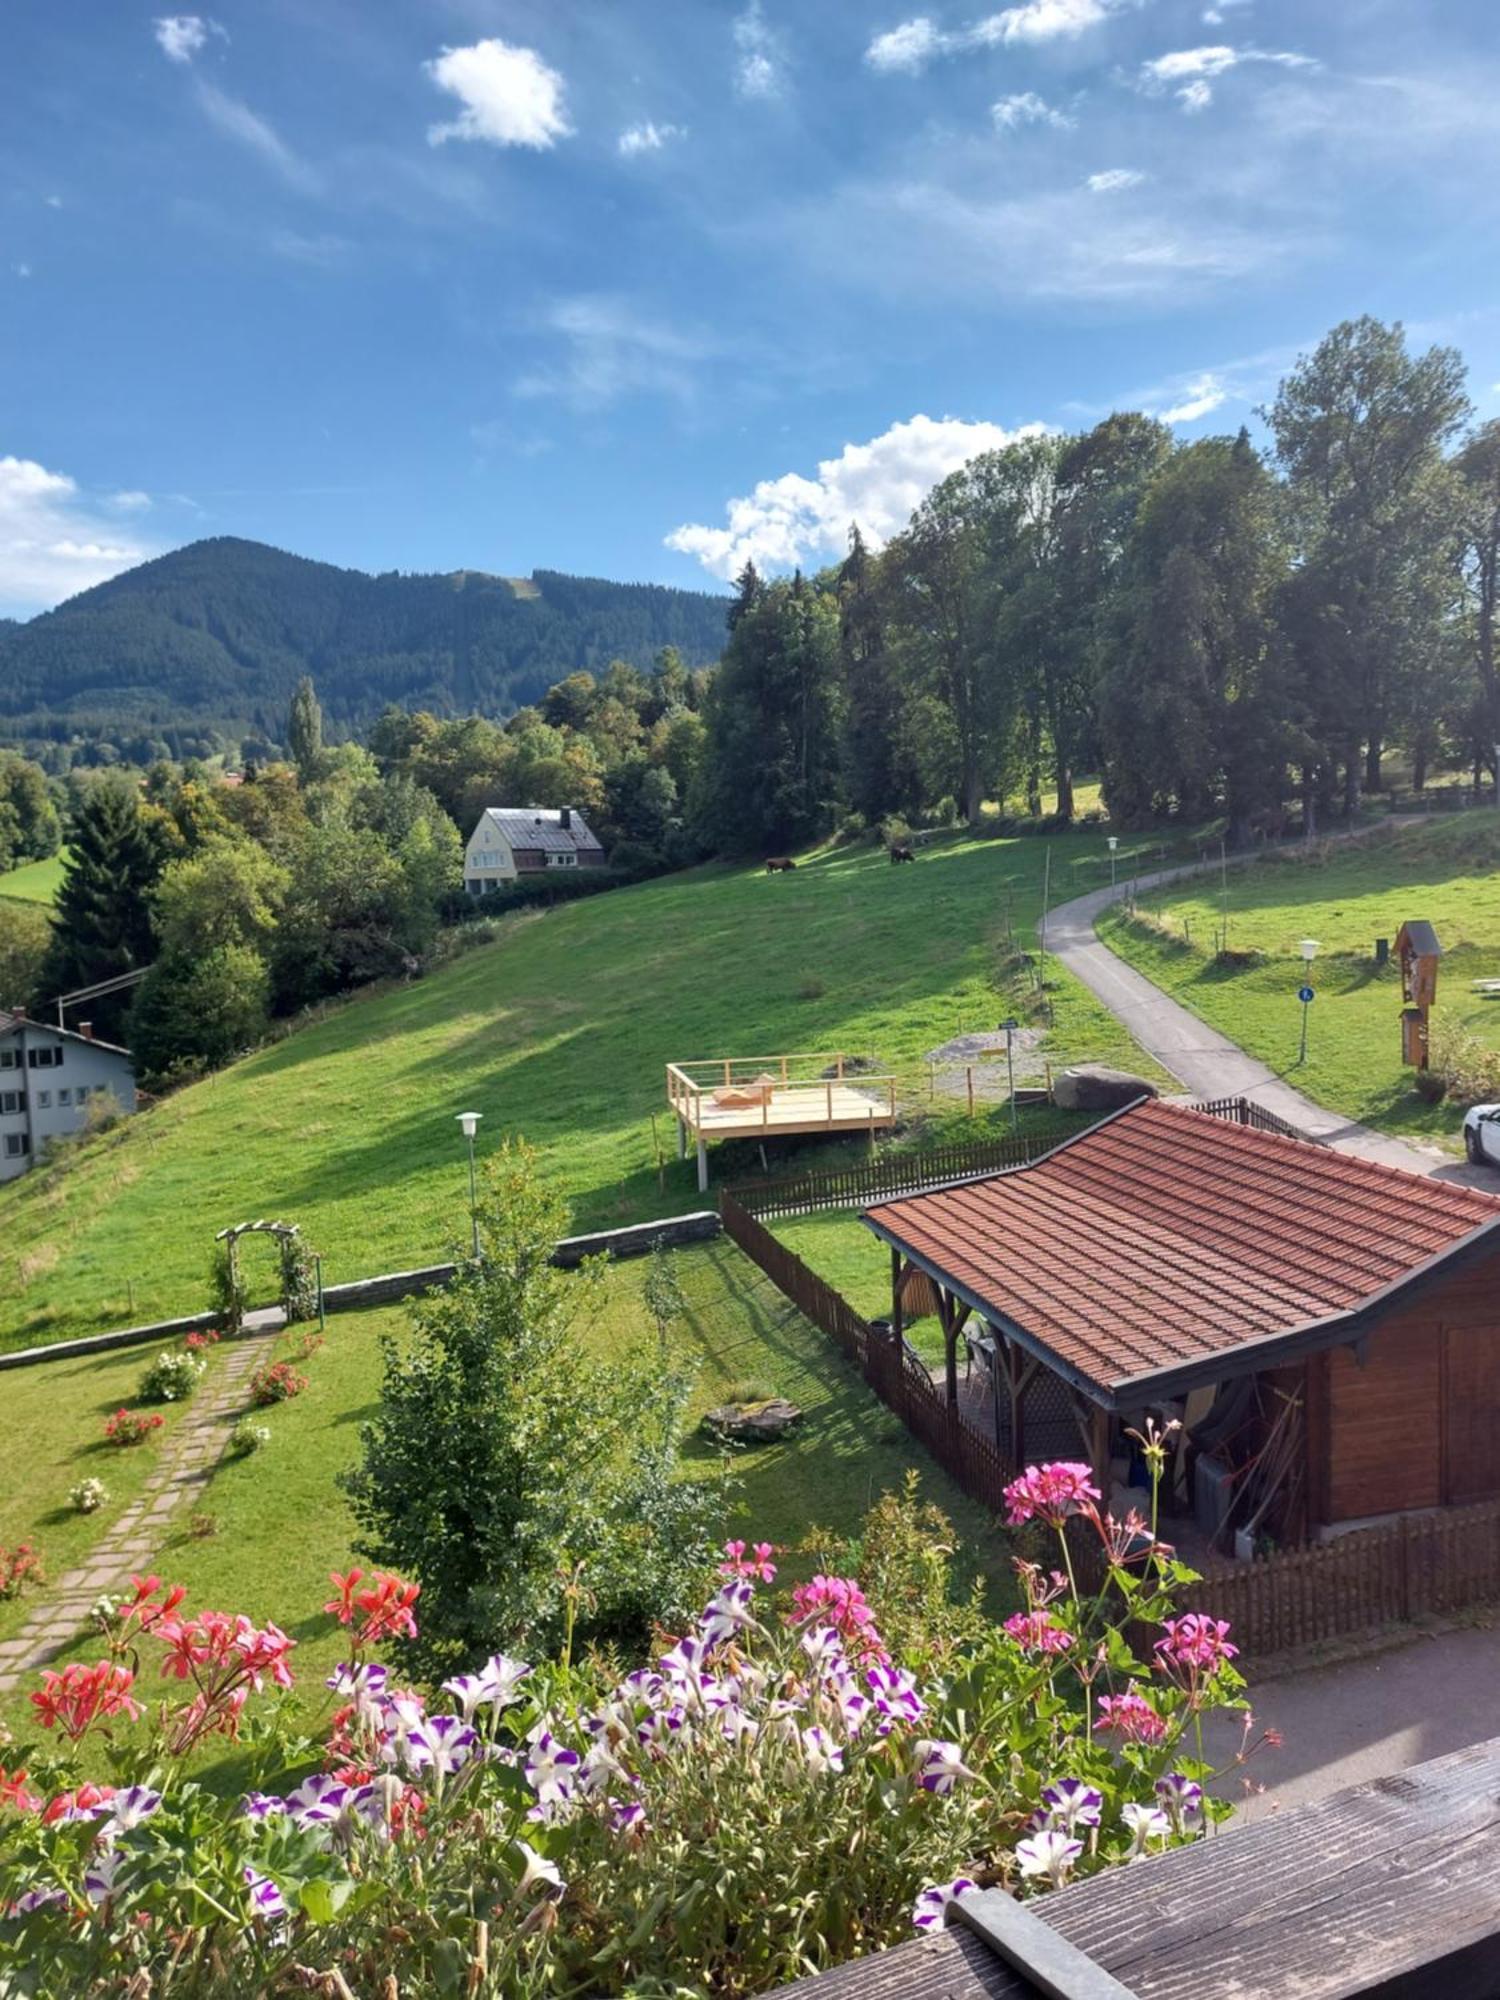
213,637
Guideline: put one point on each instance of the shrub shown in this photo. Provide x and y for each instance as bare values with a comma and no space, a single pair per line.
248,1436
172,1377
88,1496
773,1792
276,1382
127,1427
19,1567
199,1343
548,1471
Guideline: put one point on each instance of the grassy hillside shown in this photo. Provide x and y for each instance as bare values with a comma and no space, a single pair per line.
558,1031
35,882
1447,871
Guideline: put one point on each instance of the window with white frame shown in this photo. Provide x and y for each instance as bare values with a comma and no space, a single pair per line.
12,1103
569,860
16,1145
64,1098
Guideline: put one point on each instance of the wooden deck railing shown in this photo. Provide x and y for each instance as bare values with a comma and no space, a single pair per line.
689,1083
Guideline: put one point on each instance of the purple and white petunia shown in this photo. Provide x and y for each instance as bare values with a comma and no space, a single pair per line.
627,1818
538,1872
266,1899
1070,1803
939,1766
552,1769
1181,1798
931,1908
494,1686
820,1752
730,1613
894,1693
101,1877
129,1807
1144,1824
441,1744
366,1679
1048,1855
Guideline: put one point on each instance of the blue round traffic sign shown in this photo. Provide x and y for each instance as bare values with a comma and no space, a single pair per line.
1304,994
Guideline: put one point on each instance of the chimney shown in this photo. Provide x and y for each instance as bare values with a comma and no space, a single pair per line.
565,818
86,1029
18,1013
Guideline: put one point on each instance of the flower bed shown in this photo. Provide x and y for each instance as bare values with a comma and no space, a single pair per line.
783,1785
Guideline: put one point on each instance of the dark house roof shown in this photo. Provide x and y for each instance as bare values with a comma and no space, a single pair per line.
10,1021
540,829
1166,1247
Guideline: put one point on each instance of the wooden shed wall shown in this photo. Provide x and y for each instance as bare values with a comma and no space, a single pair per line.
1417,1423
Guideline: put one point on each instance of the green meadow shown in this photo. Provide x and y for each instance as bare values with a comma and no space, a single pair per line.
557,1031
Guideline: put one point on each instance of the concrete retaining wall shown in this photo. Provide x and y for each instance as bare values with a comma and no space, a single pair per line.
361,1293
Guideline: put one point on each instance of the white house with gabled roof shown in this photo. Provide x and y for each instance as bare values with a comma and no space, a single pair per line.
514,841
49,1077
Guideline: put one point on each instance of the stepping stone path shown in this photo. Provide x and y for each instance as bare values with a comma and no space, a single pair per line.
185,1464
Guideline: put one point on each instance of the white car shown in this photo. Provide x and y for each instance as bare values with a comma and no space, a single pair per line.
1482,1134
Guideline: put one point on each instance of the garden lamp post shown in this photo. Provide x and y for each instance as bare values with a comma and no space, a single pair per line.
1009,1025
469,1120
1114,841
1309,951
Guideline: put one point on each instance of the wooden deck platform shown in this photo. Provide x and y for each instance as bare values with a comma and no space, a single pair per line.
748,1097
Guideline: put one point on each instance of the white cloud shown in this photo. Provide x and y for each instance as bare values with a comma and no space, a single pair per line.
794,519
258,135
53,543
909,47
609,350
1202,395
1189,70
1026,108
1114,180
131,501
760,57
22,270
510,97
913,44
648,137
181,36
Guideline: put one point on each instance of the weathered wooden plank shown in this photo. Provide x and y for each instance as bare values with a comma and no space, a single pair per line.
1386,1890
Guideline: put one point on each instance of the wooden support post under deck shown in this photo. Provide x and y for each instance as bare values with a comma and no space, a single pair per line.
702,1164
681,1137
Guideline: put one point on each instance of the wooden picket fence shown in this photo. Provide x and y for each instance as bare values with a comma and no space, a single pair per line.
1418,1566
897,1376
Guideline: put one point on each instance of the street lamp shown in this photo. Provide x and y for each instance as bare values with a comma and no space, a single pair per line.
1309,951
469,1120
1114,841
1010,1027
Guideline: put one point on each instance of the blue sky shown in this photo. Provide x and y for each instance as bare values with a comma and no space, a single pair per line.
637,287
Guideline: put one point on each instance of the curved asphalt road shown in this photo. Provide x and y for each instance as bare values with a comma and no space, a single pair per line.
1205,1062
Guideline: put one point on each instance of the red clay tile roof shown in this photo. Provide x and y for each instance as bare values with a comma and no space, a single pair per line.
1166,1236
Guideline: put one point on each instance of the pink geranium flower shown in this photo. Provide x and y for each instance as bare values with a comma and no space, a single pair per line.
1050,1493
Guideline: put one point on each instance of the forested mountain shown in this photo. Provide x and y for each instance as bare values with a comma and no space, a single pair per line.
215,637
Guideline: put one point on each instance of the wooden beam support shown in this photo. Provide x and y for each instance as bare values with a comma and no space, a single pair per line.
897,1275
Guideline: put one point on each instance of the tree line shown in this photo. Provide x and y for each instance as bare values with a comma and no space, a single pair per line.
1216,629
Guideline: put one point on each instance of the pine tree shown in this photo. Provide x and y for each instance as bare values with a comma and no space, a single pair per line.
304,730
102,922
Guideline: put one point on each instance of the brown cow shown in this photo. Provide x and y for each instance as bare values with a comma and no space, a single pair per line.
780,864
901,854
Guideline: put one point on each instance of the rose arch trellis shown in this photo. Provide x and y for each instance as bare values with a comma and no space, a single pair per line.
299,1282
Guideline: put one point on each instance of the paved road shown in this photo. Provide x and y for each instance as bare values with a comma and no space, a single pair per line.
1206,1062
1369,1718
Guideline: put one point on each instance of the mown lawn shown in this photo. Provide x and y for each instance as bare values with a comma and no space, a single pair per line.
1447,871
280,1523
559,1031
54,1426
35,881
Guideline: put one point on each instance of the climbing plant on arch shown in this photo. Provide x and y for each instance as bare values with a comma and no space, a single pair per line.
299,1283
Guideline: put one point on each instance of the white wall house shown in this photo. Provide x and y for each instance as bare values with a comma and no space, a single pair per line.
48,1078
512,841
